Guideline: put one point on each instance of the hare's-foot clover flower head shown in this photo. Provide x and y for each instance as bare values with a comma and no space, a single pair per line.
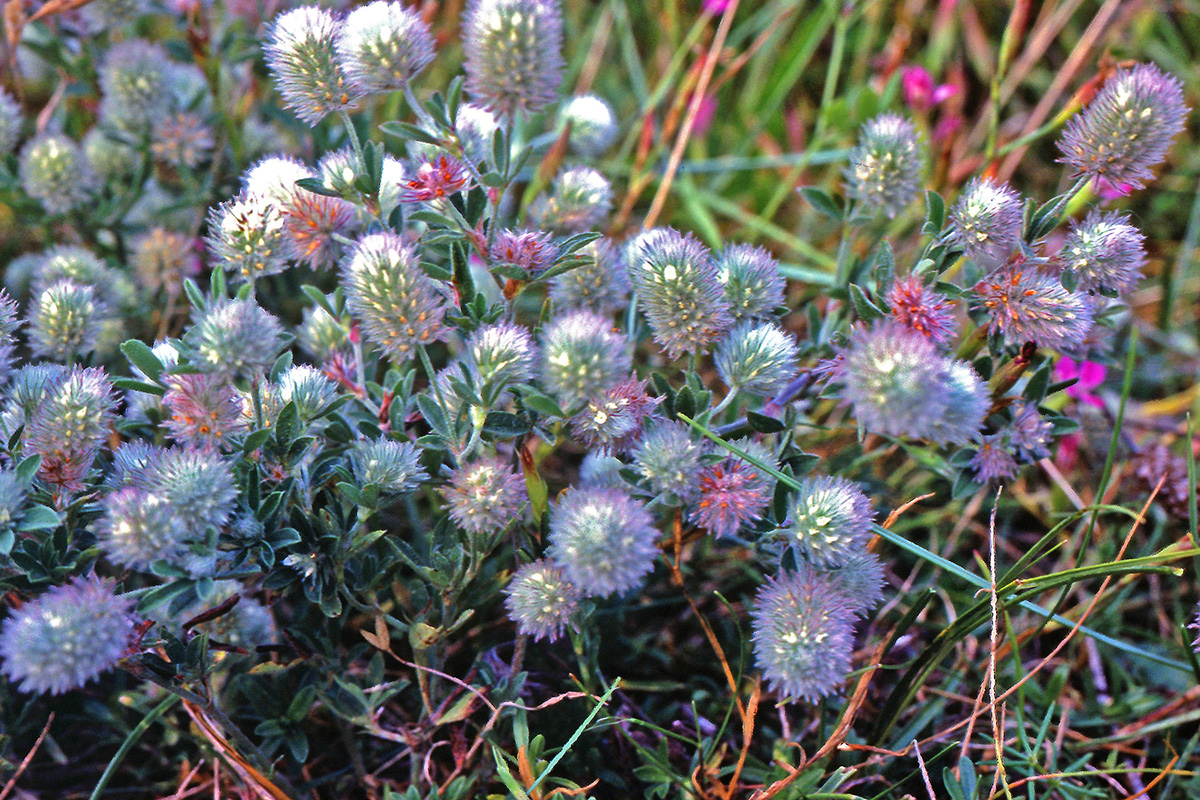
80,265
11,122
603,539
760,359
485,496
986,221
680,290
734,491
395,467
383,45
312,225
476,129
274,179
917,307
600,284
301,54
887,165
321,334
234,338
669,459
139,528
198,484
181,138
162,259
67,636
55,173
100,15
803,631
309,389
754,285
108,157
860,579
1030,433
69,425
583,356
1104,252
580,200
512,53
246,236
900,385
531,251
434,178
828,521
10,321
396,302
132,462
993,461
134,84
593,124
203,410
65,321
541,600
1127,128
615,421
1027,305
502,354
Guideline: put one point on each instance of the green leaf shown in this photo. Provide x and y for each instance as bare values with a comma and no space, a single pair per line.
142,357
866,310
404,130
39,518
762,423
820,200
504,424
255,440
935,214
316,186
130,385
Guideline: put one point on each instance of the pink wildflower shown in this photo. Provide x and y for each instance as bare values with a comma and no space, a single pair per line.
436,178
1090,374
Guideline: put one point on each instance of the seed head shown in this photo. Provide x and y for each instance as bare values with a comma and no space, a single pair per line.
300,52
593,124
396,302
887,166
758,358
753,284
109,158
986,221
1105,253
246,237
512,53
100,15
1027,305
915,306
502,354
234,338
203,410
10,321
132,462
615,421
273,179
198,484
541,600
734,491
134,85
966,403
395,467
669,459
55,172
680,290
1127,128
12,120
382,46
485,496
803,631
828,521
582,356
603,540
80,265
67,636
580,200
600,284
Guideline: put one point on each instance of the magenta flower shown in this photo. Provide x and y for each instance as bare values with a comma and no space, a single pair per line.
1090,375
920,93
715,6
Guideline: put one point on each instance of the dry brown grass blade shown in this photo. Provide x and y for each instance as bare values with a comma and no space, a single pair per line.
254,779
12,782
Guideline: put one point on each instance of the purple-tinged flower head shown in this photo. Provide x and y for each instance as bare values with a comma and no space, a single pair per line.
541,600
531,251
502,354
614,421
993,461
162,259
182,139
583,356
301,54
598,469
397,304
234,338
12,120
1027,305
82,266
135,78
10,321
55,172
734,491
198,484
312,226
669,459
803,632
395,467
580,200
434,178
70,634
753,284
680,290
593,124
603,540
1104,252
512,53
828,521
485,496
321,334
309,388
1030,433
1127,128
65,321
986,221
30,385
919,308
70,425
476,129
900,385
108,157
203,410
600,283
138,528
382,46
246,237
887,166
759,358
132,462
860,579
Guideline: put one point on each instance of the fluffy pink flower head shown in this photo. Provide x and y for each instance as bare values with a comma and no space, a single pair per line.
435,178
